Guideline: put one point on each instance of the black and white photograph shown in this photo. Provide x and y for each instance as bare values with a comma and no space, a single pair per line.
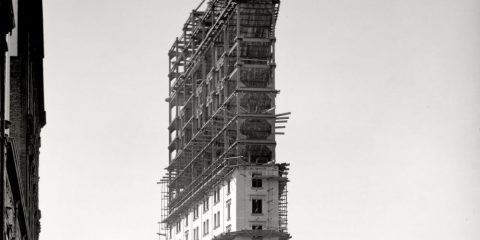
240,119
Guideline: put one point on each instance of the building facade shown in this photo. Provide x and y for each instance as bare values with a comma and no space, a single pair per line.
223,181
22,116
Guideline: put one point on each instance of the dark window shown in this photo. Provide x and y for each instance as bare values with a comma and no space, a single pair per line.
256,206
228,210
216,222
195,212
257,227
195,234
179,226
256,180
216,195
205,204
205,227
228,186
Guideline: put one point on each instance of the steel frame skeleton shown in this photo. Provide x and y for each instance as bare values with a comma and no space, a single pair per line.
221,100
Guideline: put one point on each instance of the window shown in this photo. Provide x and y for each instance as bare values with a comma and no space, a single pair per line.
186,235
179,226
205,204
195,212
195,234
256,180
228,210
186,220
216,220
257,227
216,196
228,186
205,227
256,206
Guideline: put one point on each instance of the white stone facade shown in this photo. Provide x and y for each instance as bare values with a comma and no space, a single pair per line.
246,200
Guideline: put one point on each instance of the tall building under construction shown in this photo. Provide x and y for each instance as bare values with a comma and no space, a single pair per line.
222,181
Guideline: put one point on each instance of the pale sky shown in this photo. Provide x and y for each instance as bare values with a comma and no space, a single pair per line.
383,141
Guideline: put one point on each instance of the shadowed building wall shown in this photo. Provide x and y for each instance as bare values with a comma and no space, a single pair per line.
24,114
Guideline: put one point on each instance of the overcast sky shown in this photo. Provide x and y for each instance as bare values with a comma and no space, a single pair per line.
384,138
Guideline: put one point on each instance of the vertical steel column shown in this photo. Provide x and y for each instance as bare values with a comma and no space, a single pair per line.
226,64
238,66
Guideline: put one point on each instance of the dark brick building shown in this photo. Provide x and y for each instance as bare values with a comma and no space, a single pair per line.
22,116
